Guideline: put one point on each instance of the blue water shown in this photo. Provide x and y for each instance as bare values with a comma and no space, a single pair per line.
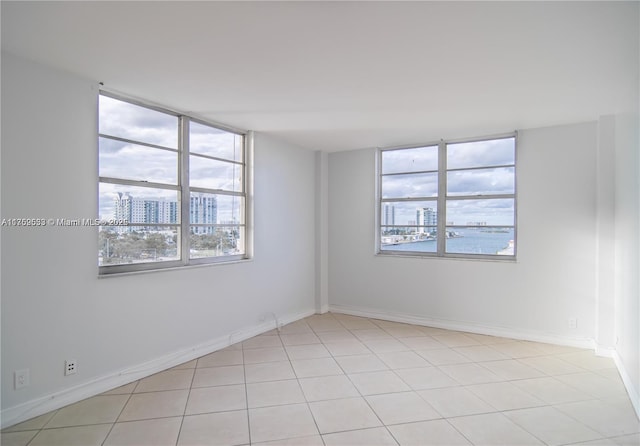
473,241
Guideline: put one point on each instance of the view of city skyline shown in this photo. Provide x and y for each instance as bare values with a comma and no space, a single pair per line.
203,210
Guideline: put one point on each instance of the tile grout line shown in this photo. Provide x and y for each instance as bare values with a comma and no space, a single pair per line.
121,411
463,386
592,369
418,394
364,398
446,419
315,422
246,394
186,404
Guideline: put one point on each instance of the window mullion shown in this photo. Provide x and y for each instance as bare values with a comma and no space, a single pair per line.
489,166
138,143
138,183
481,197
185,198
206,190
442,198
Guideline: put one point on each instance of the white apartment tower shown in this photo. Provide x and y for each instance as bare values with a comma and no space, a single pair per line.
203,210
143,210
426,219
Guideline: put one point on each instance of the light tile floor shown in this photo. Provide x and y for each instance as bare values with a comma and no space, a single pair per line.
342,380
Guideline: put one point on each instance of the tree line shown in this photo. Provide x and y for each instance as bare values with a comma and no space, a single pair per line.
137,245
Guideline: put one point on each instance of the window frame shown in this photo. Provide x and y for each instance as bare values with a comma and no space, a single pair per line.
442,198
184,190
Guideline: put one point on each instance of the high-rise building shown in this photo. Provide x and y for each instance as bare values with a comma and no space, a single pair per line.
389,215
160,211
426,219
130,209
203,210
122,206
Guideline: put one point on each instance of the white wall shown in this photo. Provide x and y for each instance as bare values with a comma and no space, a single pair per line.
53,305
627,261
605,236
552,280
627,238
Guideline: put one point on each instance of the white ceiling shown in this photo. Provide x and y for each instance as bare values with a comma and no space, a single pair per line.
347,75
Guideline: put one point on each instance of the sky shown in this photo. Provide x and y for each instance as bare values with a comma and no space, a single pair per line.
414,175
125,160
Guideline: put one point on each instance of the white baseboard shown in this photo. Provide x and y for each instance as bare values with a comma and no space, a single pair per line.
96,386
469,327
604,350
324,309
634,394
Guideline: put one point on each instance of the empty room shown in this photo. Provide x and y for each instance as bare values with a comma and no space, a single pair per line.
320,223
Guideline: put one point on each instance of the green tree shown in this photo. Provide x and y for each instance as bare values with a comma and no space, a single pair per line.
157,242
106,240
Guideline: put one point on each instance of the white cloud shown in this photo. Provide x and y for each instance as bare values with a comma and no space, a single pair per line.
479,181
137,123
130,161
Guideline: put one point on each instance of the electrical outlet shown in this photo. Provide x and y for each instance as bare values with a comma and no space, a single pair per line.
573,322
70,367
20,379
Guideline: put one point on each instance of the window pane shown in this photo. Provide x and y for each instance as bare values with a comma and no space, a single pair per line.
118,118
409,214
138,204
408,239
230,210
420,159
478,240
496,152
211,209
498,180
481,212
203,208
211,141
119,245
409,226
413,185
208,241
134,162
213,174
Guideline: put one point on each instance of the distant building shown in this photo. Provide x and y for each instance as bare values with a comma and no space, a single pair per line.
203,210
426,220
160,211
389,215
476,223
143,210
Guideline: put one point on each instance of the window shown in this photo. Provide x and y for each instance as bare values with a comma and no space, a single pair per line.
449,199
172,189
